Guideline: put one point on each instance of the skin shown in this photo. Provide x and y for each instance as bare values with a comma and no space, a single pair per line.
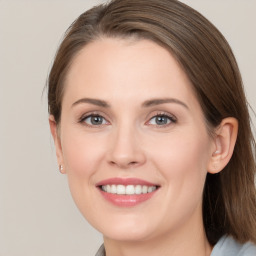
177,155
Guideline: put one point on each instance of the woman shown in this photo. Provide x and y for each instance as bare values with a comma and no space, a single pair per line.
151,126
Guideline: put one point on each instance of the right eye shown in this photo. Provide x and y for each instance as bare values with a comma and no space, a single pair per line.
94,120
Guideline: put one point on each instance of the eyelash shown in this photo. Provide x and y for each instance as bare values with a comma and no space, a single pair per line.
91,115
171,119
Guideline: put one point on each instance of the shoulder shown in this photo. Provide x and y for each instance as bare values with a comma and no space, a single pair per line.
227,246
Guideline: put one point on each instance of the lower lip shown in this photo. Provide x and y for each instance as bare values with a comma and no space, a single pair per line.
127,200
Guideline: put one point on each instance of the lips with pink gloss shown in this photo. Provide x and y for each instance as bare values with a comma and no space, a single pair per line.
126,192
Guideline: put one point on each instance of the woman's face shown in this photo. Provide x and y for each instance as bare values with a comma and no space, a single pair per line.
133,140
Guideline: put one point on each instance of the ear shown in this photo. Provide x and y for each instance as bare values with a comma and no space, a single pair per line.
224,144
57,142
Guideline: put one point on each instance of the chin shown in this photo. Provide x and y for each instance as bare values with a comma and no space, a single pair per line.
129,235
125,230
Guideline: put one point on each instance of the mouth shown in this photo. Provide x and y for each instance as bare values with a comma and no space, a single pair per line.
127,192
120,189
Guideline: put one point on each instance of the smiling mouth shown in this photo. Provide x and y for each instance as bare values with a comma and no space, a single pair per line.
119,189
127,192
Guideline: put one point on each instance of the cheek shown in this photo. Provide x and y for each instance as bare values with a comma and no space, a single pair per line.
82,158
183,159
182,164
81,154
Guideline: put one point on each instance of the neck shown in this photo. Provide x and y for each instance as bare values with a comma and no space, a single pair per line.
189,240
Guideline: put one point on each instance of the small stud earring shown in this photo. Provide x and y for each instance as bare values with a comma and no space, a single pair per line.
61,168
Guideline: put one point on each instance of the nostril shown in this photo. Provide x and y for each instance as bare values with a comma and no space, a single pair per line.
112,163
124,164
133,163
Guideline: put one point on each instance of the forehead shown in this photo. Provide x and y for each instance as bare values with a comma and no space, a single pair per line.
108,66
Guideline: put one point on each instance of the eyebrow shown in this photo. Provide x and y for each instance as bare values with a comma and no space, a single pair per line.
148,103
154,102
100,103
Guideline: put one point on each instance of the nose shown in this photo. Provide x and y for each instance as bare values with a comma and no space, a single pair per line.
125,150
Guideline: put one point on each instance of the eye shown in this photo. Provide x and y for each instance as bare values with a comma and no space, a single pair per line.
94,120
161,120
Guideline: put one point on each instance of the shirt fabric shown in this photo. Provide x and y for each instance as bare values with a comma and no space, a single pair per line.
226,246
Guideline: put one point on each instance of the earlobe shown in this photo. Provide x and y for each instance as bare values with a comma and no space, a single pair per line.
57,142
224,144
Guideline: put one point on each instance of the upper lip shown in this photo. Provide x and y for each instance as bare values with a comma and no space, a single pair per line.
125,181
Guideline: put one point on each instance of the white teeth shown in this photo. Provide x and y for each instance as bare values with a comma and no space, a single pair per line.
144,189
113,189
128,190
120,189
138,190
150,189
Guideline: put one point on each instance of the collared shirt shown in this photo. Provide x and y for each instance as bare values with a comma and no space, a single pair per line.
226,246
101,251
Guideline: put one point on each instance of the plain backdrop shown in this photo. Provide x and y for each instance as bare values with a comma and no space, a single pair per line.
37,214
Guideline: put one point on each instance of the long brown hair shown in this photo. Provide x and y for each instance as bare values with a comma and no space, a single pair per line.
229,200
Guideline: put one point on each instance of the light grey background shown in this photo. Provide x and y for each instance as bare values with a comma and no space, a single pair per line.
37,214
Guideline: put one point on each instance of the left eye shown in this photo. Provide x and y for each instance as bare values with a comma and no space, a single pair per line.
161,120
95,120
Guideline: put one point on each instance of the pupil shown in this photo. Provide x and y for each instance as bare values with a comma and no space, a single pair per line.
96,120
161,120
